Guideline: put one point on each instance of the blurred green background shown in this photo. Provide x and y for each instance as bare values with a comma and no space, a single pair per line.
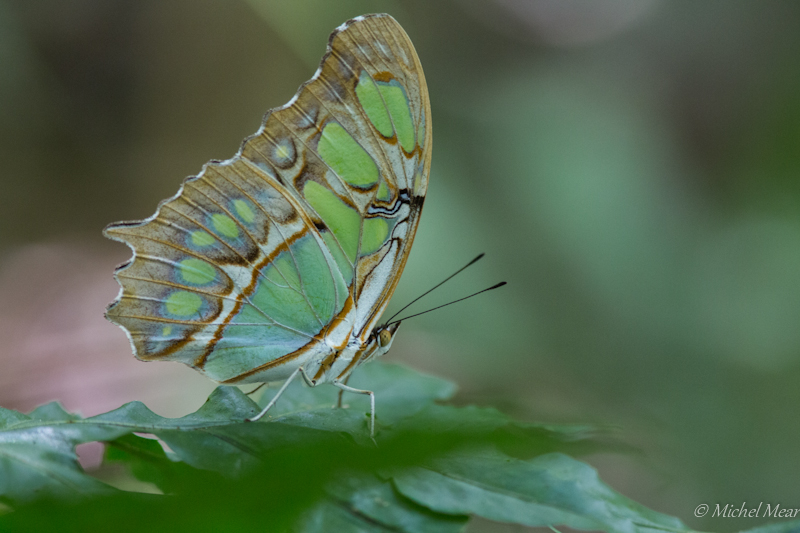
631,168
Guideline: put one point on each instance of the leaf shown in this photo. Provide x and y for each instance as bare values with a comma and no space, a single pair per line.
37,460
147,461
785,527
551,489
365,495
37,451
311,467
330,515
362,502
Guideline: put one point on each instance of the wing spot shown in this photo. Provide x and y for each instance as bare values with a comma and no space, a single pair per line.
347,157
183,303
201,238
284,153
225,225
197,272
243,209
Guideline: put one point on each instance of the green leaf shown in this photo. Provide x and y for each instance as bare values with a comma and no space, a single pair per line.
551,489
363,502
37,460
37,451
311,467
785,527
147,461
330,515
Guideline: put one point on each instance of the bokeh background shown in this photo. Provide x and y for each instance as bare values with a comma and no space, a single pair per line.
630,167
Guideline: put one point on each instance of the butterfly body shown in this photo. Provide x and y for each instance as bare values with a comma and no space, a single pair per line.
283,258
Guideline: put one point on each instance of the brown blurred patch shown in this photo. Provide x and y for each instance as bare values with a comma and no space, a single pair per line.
57,346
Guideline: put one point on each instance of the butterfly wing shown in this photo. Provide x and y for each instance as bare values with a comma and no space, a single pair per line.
364,122
391,85
287,251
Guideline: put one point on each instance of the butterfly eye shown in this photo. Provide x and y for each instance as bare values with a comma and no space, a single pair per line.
384,338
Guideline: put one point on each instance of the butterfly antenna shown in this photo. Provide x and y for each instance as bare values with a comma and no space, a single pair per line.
451,303
451,276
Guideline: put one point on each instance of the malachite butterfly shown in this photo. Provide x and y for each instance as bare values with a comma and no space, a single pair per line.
281,260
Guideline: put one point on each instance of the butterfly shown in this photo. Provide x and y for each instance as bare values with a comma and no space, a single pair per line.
281,260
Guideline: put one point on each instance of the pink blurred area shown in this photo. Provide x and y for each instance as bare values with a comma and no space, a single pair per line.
57,345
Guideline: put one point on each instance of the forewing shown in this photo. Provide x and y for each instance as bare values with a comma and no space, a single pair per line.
359,135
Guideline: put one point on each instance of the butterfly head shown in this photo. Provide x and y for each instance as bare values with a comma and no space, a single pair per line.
382,338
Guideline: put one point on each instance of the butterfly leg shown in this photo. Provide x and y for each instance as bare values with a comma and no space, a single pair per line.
278,394
372,405
310,382
341,391
255,390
